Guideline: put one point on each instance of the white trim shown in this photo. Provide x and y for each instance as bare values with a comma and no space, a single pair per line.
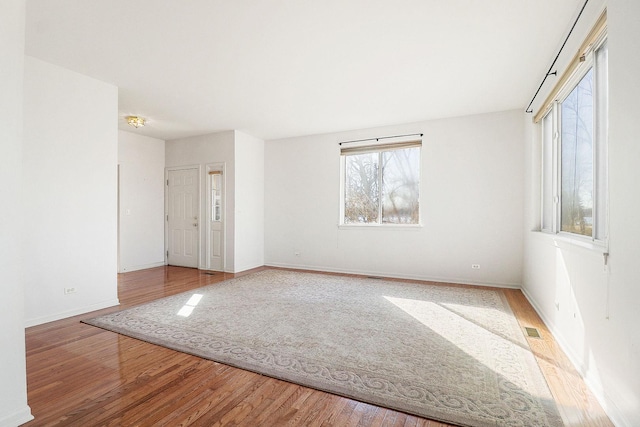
141,267
245,268
70,313
216,166
555,168
443,280
568,241
16,418
564,238
380,226
343,163
118,219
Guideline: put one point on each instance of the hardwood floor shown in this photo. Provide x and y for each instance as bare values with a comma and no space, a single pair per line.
80,375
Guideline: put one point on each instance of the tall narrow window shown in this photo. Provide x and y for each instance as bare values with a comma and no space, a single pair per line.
577,158
216,195
548,132
574,152
381,184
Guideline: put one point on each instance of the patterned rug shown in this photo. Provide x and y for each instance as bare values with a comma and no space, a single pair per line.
452,354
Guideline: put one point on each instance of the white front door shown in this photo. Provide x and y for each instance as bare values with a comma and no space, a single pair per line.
182,218
216,228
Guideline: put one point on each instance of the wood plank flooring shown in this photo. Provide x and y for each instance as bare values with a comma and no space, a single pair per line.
79,375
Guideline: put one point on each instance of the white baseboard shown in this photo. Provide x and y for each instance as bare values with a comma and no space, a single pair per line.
609,406
140,267
451,280
245,268
70,313
17,418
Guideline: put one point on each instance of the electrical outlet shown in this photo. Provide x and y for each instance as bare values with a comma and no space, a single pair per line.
68,291
475,266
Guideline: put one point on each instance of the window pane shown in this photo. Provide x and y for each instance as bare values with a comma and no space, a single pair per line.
216,197
400,186
361,199
577,159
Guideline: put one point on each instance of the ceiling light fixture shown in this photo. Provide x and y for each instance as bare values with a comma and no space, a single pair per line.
135,121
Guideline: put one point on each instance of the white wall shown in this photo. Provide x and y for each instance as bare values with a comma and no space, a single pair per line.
13,384
70,192
620,345
471,205
201,151
249,202
141,202
597,308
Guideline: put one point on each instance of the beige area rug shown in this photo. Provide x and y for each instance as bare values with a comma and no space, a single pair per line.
448,353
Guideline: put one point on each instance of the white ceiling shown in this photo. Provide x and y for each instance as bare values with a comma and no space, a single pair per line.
280,68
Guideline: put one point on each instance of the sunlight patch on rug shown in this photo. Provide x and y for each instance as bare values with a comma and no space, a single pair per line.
187,309
447,353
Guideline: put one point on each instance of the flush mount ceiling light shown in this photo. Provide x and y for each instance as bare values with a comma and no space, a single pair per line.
135,121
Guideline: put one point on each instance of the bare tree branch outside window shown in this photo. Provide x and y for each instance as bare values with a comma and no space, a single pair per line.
382,187
361,189
577,159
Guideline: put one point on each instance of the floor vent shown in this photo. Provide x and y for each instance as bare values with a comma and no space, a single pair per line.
209,273
532,333
374,277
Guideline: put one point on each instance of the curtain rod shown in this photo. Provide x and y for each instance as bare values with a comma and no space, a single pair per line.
555,73
379,138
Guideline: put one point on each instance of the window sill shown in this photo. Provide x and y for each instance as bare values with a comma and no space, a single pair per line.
566,241
380,226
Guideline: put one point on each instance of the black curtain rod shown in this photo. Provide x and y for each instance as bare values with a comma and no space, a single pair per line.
379,138
555,73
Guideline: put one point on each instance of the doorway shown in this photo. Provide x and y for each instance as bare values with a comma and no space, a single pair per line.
182,217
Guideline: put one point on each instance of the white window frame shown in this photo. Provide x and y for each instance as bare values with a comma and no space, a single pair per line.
384,144
599,235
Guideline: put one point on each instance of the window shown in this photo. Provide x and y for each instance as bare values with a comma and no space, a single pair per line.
216,195
574,146
381,184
